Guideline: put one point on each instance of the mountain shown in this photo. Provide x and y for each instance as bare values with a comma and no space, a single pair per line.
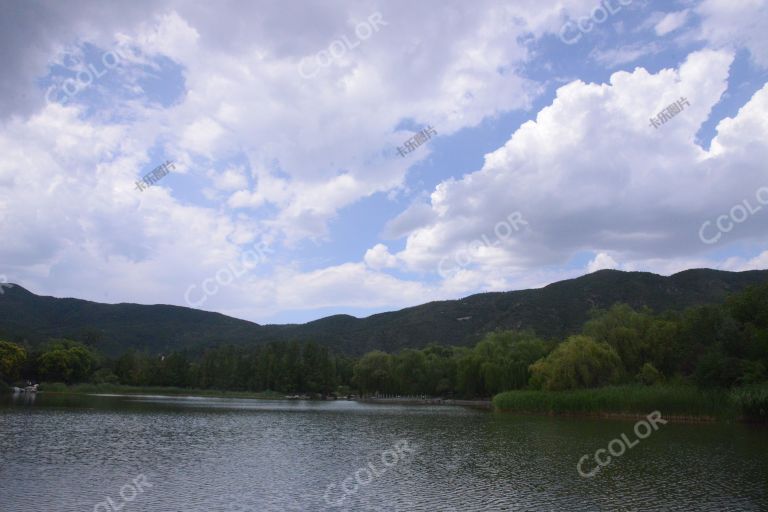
553,311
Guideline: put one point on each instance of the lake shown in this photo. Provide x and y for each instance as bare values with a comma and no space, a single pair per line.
147,453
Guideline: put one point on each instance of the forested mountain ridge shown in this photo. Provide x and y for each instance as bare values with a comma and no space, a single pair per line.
554,311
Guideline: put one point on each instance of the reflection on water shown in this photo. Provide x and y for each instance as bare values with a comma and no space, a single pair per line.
23,398
74,453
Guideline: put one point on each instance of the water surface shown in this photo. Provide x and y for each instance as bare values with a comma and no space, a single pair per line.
72,452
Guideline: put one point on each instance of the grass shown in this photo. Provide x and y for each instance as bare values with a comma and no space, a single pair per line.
752,401
59,387
678,400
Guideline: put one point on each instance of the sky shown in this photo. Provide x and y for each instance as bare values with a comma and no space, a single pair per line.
284,161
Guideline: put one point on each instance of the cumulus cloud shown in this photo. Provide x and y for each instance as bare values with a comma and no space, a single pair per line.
591,172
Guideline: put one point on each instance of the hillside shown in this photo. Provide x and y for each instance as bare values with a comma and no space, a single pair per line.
555,310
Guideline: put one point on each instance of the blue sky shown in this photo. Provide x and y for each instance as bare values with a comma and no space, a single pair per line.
289,201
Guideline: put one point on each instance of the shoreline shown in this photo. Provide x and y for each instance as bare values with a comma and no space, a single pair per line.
480,404
680,403
672,418
119,390
677,404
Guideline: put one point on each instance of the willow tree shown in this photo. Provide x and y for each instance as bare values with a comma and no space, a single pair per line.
579,362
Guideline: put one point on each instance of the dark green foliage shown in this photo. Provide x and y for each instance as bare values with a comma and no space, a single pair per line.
715,369
66,361
12,358
373,373
649,375
499,362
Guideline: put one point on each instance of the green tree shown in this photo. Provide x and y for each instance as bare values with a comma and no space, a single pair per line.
373,373
716,369
441,369
649,375
624,329
67,361
507,356
12,358
127,368
579,362
174,370
409,372
469,373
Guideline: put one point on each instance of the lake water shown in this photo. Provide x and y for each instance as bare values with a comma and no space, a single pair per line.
79,453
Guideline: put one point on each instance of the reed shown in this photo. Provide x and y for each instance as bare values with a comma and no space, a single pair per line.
677,400
752,401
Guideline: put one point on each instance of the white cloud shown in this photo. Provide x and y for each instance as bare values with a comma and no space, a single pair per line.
600,262
591,172
737,264
741,24
671,22
379,257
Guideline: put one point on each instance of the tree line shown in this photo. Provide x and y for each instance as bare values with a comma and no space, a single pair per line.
722,345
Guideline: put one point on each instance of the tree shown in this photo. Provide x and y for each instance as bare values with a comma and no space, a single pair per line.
624,329
649,375
174,370
579,362
127,368
715,369
12,358
750,310
67,361
469,373
441,369
507,356
409,371
373,373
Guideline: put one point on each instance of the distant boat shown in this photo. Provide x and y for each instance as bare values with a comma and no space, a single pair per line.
27,389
